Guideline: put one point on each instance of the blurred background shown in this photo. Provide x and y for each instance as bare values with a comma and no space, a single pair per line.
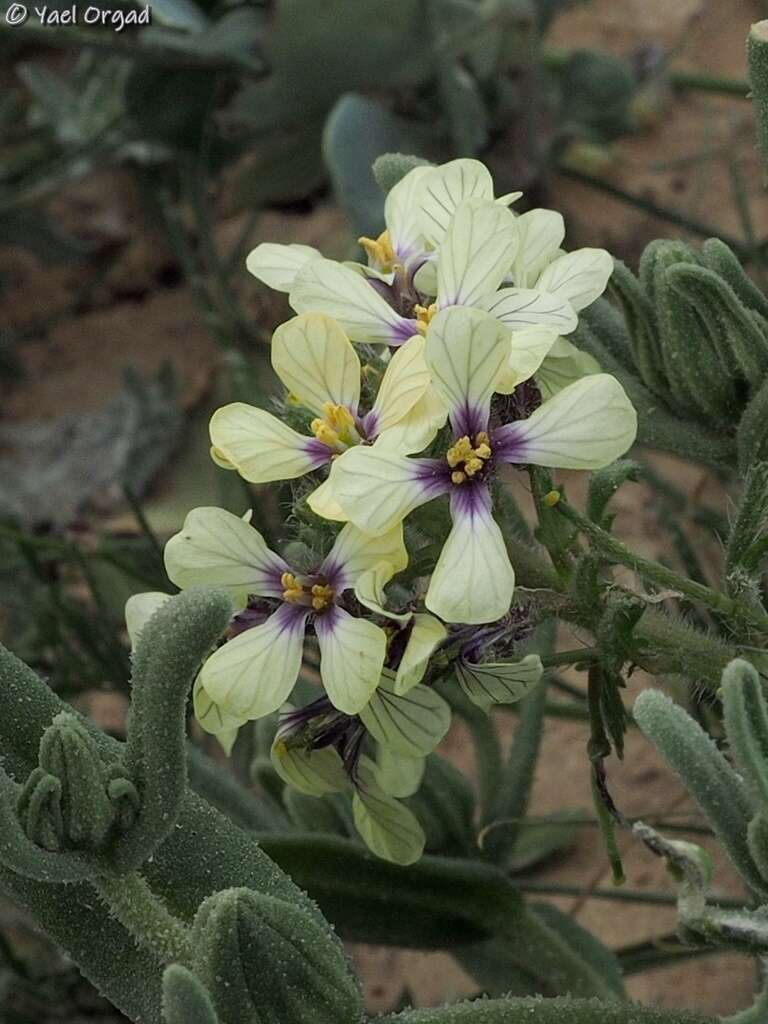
139,167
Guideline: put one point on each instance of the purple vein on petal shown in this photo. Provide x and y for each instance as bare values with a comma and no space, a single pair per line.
468,419
509,443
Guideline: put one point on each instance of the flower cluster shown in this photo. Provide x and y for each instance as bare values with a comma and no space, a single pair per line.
459,315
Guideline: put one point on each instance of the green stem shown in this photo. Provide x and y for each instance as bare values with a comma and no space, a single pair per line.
618,552
656,899
585,655
141,912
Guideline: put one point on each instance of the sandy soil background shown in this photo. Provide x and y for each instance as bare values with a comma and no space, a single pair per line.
139,314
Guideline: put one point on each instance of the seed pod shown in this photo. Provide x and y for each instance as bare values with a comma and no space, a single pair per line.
267,961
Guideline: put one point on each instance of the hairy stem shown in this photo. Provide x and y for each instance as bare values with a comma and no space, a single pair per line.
141,912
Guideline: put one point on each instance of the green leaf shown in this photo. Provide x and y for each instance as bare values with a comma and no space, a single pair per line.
746,723
412,724
717,789
266,959
748,541
752,434
465,110
496,964
445,806
498,682
536,842
546,1011
185,999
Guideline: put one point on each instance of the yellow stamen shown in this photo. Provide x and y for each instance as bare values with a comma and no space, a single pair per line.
466,460
424,315
292,589
322,596
551,498
379,251
325,434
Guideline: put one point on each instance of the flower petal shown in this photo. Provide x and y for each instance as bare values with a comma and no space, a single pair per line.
443,188
386,826
278,265
528,350
405,380
323,503
323,286
351,655
467,351
476,253
417,430
398,775
215,720
426,633
369,591
315,360
541,235
315,772
139,609
473,580
529,307
216,548
252,675
413,724
564,364
401,214
585,426
578,277
261,446
377,489
499,682
355,552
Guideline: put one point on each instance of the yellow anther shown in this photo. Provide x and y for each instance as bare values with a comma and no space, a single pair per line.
325,434
338,417
322,596
551,498
292,589
281,748
461,451
469,460
424,315
379,251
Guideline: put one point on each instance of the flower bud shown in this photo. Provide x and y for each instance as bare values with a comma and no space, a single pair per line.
267,961
68,753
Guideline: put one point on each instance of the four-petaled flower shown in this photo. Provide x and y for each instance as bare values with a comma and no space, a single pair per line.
585,426
321,370
252,674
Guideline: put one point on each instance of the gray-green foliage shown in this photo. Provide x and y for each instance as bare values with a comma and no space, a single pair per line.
757,52
120,891
691,347
735,804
